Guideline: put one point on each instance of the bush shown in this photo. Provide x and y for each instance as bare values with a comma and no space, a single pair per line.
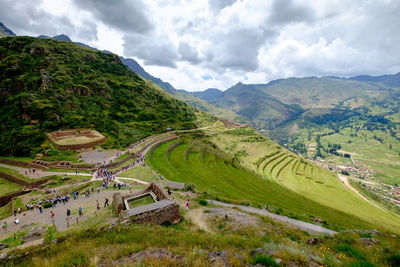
203,202
394,260
47,205
264,260
189,187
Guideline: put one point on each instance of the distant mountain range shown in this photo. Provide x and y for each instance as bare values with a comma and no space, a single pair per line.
271,105
4,31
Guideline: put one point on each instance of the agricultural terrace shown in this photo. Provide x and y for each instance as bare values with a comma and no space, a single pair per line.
274,163
215,174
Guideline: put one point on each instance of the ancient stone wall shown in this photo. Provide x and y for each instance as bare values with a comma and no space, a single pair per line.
79,146
4,200
20,181
118,202
170,214
118,163
159,143
160,193
21,163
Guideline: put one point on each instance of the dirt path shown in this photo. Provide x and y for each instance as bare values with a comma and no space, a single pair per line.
34,216
346,182
305,226
196,216
38,173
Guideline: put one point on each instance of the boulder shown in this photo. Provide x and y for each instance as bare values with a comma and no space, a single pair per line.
369,241
3,245
34,234
312,241
220,257
256,251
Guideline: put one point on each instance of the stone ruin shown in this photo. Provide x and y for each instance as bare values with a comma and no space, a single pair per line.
162,210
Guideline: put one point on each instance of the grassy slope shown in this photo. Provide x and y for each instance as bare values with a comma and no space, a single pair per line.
218,178
7,187
324,188
143,173
64,85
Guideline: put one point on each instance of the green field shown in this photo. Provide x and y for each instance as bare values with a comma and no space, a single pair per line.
7,187
133,203
15,173
143,173
215,175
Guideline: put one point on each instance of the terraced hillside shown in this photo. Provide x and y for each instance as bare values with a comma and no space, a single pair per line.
216,174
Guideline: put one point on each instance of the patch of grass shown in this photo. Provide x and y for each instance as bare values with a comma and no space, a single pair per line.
15,173
143,173
134,203
264,260
5,211
350,251
7,187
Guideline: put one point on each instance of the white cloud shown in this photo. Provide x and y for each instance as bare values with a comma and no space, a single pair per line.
187,42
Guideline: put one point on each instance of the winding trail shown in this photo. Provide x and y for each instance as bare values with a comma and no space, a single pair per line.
305,226
346,182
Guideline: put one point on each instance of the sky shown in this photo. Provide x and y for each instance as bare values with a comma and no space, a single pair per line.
203,44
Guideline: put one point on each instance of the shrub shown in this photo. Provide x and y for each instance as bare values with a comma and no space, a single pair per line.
264,260
203,202
47,205
394,260
189,187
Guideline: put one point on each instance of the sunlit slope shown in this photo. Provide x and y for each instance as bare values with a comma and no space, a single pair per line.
213,174
273,162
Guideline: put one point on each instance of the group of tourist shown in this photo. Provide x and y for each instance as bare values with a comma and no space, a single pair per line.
32,171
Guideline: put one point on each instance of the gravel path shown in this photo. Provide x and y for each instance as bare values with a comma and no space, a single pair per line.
309,227
34,216
38,173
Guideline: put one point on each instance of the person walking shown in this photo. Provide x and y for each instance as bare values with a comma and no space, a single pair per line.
80,211
106,202
5,227
68,213
98,204
40,209
52,214
187,204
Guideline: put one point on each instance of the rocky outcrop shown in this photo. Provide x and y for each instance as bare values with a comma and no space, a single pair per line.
34,234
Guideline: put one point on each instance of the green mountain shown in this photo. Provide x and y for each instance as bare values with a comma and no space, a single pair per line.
211,95
4,31
387,80
47,85
194,99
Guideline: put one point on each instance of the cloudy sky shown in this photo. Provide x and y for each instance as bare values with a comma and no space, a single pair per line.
200,44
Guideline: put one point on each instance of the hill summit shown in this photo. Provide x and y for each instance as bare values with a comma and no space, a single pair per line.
48,85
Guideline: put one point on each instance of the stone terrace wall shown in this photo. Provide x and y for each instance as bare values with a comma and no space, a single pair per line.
21,163
118,202
4,200
169,213
118,163
80,146
160,142
20,181
160,193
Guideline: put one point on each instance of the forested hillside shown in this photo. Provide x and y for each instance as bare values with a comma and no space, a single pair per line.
48,85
